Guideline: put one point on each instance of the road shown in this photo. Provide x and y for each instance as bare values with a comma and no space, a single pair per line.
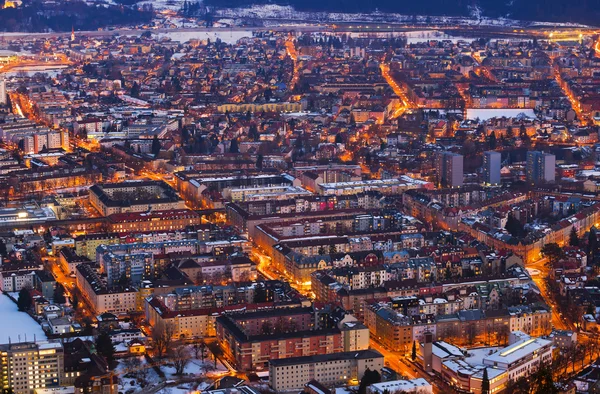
290,47
405,102
403,366
265,268
558,321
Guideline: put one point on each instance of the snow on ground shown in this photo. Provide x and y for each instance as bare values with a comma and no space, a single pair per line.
17,326
485,114
197,367
194,369
476,356
229,37
274,11
125,383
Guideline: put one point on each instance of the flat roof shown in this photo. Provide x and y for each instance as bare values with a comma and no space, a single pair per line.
517,351
360,354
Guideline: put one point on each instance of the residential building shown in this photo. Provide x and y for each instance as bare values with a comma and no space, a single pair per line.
293,373
28,366
449,169
491,167
541,167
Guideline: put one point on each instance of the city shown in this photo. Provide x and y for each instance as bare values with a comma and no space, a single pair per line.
268,199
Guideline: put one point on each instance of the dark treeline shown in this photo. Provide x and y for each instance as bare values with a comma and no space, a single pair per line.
34,16
581,11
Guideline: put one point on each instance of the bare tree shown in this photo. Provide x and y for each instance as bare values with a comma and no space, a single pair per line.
180,356
129,364
142,376
162,337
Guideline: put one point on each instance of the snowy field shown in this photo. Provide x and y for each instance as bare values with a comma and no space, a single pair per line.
485,114
229,37
17,326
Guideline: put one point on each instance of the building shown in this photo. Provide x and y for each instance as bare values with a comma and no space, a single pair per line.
164,220
190,323
69,260
3,97
449,169
418,385
491,167
134,196
15,281
540,167
134,267
523,357
565,340
328,369
252,339
29,366
100,297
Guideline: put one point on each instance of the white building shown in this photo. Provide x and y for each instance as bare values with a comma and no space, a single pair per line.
2,92
418,385
522,358
15,281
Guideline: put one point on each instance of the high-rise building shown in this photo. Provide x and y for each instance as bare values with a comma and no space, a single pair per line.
491,167
449,169
3,99
29,366
540,167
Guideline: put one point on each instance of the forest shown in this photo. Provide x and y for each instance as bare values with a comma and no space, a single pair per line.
36,16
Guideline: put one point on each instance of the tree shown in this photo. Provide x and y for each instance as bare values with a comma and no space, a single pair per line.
542,381
105,347
233,148
162,337
514,226
253,132
135,90
3,250
24,301
74,300
180,356
155,145
199,350
553,253
573,237
59,294
492,141
266,328
485,382
413,355
592,244
259,161
369,378
522,131
509,132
